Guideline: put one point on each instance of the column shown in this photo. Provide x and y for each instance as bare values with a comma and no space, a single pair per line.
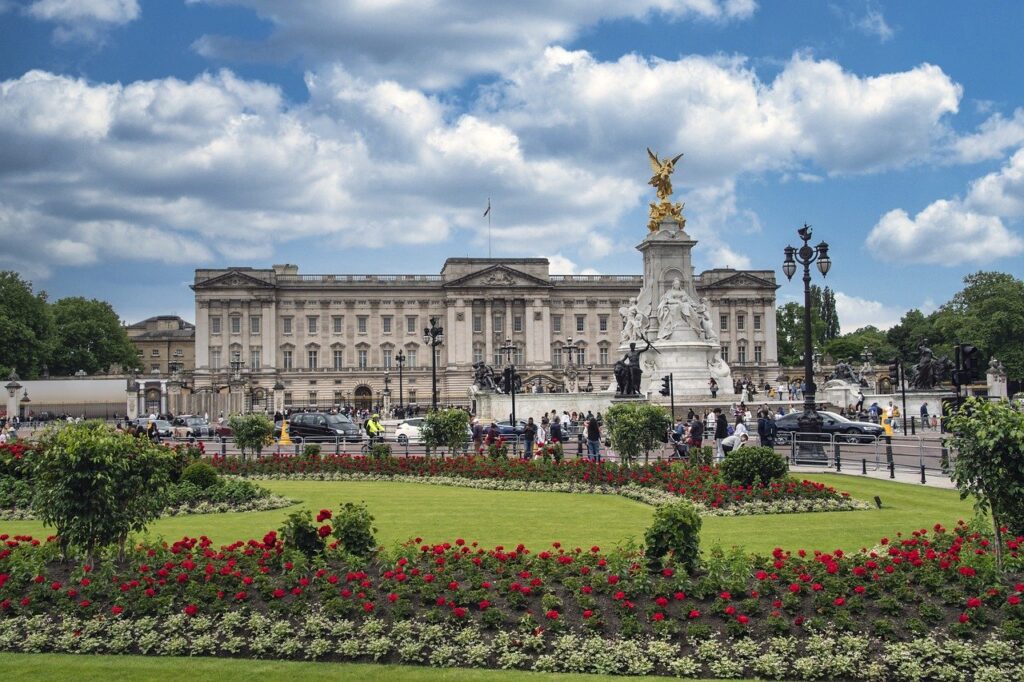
268,331
202,342
488,333
455,336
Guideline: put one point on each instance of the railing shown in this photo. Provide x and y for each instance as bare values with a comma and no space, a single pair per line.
287,279
631,279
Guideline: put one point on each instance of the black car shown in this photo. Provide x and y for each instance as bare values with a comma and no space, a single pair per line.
505,427
323,427
831,423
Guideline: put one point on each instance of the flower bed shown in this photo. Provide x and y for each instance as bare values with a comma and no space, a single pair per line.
699,484
927,606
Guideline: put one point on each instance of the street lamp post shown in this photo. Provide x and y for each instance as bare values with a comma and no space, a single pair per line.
433,336
400,359
590,376
387,391
508,349
810,421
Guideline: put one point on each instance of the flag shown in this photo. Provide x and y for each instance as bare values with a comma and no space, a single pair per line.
488,211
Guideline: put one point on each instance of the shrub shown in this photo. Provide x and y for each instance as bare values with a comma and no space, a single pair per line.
300,534
311,450
201,475
252,432
446,428
702,456
675,529
353,528
95,485
380,450
184,455
749,465
636,427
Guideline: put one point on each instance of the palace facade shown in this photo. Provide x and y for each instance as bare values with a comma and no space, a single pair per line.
274,338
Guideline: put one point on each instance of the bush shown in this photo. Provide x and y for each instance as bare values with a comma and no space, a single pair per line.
380,450
703,456
252,432
311,450
675,529
298,533
636,427
446,428
184,455
353,528
201,475
749,465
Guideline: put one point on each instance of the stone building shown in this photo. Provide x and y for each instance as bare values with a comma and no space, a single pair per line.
272,338
165,344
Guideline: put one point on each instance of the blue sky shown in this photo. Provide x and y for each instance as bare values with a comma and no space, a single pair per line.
140,140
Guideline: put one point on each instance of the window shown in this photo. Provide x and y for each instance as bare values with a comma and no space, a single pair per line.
288,398
338,358
740,320
518,356
386,355
338,324
723,323
499,324
215,323
581,356
757,353
411,324
254,324
236,324
517,323
499,358
286,325
312,397
311,358
556,324
602,322
254,359
385,324
236,358
139,352
725,352
215,358
556,357
478,324
287,359
410,358
478,354
362,356
603,356
412,395
175,367
581,323
312,324
155,367
155,352
178,353
361,324
757,323
337,398
741,354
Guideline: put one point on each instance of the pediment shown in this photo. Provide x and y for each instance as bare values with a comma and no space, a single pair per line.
743,280
233,279
498,276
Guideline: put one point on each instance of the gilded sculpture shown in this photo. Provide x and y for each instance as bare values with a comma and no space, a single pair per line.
661,181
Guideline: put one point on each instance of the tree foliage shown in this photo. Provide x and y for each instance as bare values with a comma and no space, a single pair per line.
636,427
789,325
989,465
251,431
676,529
852,345
96,485
26,327
89,337
446,428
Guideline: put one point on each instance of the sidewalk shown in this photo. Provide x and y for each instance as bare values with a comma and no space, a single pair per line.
933,478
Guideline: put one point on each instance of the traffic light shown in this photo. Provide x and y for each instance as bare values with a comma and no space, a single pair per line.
970,363
894,371
666,385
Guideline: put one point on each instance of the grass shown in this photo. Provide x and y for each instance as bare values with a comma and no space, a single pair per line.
407,510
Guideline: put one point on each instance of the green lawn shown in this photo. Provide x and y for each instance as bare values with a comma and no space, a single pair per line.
406,510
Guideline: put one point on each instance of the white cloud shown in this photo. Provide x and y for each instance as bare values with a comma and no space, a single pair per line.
83,19
855,312
387,39
993,138
1000,193
944,233
873,23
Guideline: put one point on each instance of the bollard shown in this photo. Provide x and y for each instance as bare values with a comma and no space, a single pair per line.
892,469
297,447
912,422
839,465
922,475
337,446
888,449
864,466
223,446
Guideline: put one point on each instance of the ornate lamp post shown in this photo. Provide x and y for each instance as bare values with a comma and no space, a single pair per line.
433,336
400,359
387,391
590,376
810,420
508,349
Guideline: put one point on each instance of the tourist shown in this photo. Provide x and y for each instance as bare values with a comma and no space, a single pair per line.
713,385
730,443
478,435
529,438
556,431
740,427
695,438
593,440
721,431
924,415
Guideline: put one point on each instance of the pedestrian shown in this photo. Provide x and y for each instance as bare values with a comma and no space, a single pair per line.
721,431
730,443
529,438
740,428
924,415
713,385
556,430
593,440
478,436
860,401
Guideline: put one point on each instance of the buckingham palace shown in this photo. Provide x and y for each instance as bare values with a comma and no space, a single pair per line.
274,338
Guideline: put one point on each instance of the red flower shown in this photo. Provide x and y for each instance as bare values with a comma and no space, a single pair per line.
588,613
116,610
191,610
85,603
658,616
613,580
279,593
967,571
973,603
323,531
459,612
729,610
484,605
551,615
839,601
661,601
694,614
323,515
794,588
392,597
964,618
1013,600
742,620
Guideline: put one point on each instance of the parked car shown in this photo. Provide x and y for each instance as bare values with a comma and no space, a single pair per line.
191,426
163,427
831,423
505,427
321,427
408,431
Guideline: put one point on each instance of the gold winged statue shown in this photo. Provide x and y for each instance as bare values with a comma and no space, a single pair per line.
662,178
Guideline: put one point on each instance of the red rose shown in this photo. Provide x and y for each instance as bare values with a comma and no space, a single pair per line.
484,605
658,616
742,620
191,610
279,593
973,603
964,618
1013,600
459,612
694,614
839,601
323,531
588,613
116,610
323,515
551,615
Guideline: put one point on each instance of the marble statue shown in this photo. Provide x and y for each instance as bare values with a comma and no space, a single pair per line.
996,368
634,321
707,329
675,311
717,367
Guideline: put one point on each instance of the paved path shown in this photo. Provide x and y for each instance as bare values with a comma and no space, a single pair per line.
932,478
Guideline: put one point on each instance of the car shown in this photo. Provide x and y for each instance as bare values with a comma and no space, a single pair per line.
322,427
408,431
505,427
163,427
840,427
191,426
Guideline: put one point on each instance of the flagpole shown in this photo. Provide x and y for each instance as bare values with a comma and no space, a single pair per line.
488,227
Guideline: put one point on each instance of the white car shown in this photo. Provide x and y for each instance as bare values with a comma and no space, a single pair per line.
408,431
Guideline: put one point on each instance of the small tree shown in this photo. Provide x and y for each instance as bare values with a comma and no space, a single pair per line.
636,427
446,428
95,485
676,529
252,432
989,465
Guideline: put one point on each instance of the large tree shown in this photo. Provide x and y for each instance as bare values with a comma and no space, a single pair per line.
89,337
26,327
852,345
789,325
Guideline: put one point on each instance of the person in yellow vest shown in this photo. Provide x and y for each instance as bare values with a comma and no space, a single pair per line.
374,429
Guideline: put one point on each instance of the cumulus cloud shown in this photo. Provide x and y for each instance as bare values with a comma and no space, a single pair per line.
1000,193
993,138
387,40
856,312
83,19
561,265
